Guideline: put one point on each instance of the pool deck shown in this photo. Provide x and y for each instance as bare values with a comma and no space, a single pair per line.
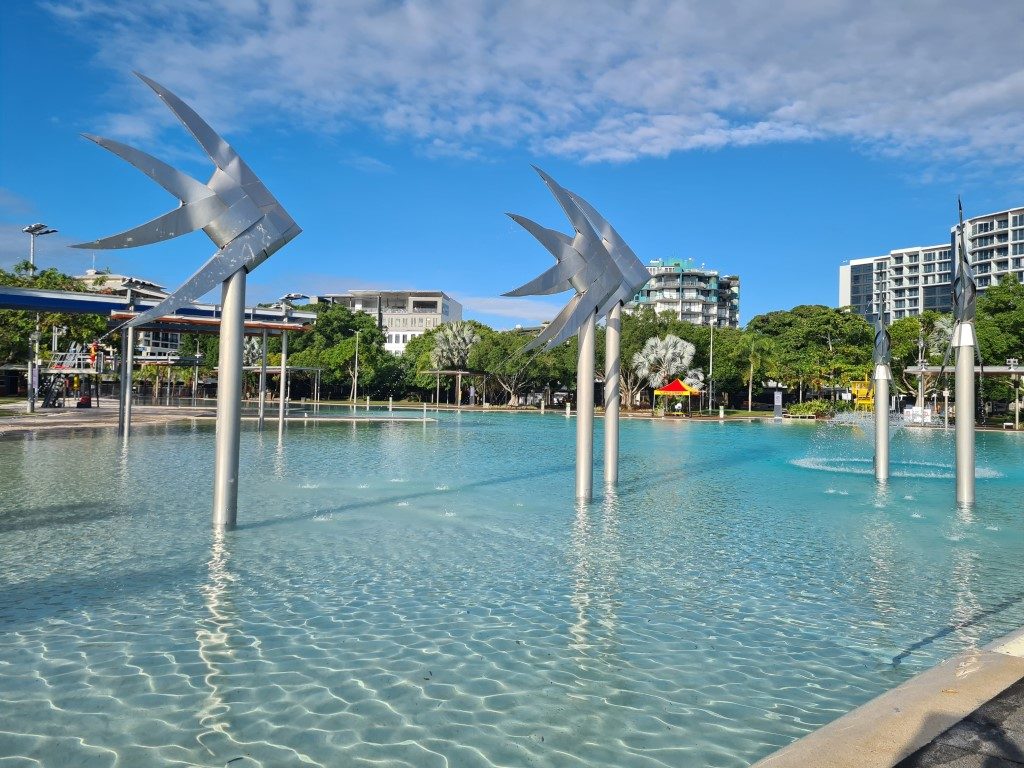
967,712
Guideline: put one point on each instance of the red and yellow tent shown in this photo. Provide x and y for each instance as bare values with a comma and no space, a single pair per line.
677,389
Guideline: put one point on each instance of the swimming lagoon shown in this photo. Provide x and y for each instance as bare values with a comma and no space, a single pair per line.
428,594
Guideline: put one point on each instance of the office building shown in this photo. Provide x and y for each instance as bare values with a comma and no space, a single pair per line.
693,294
402,315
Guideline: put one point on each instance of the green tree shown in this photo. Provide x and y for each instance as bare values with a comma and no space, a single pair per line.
1000,327
18,325
330,345
757,355
501,355
637,328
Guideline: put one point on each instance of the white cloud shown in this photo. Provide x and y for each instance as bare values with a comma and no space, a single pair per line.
368,164
12,204
526,310
601,81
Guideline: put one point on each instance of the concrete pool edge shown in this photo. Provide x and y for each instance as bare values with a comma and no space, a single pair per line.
894,725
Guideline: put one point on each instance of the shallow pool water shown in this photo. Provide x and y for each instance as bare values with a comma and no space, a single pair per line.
417,594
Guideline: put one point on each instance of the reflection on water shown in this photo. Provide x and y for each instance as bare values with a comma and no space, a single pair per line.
213,636
596,559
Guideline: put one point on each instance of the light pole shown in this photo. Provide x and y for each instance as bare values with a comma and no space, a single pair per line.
195,375
355,376
33,231
711,366
284,303
1012,365
920,367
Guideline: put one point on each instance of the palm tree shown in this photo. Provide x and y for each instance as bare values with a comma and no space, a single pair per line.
755,351
661,360
452,344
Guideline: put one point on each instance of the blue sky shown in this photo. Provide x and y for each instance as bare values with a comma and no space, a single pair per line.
770,143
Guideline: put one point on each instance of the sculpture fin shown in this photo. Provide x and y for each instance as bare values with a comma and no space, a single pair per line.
179,184
555,326
576,216
554,280
220,152
180,221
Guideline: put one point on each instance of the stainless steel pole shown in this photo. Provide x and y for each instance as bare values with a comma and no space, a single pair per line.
33,344
612,364
30,406
127,384
195,376
882,378
284,375
585,411
963,340
263,382
229,401
121,399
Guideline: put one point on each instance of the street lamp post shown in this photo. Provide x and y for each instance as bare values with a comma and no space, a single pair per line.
1012,365
195,375
711,367
355,376
33,231
284,303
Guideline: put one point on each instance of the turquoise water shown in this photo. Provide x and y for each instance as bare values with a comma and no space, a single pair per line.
429,595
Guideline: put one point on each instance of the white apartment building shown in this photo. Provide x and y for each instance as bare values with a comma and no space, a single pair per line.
995,243
693,294
902,283
402,315
908,281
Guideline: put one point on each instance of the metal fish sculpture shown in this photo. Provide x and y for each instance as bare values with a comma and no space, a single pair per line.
238,213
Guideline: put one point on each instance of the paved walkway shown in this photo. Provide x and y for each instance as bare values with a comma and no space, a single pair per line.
13,418
990,737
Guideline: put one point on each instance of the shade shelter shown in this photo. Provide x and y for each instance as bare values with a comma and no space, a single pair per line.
677,389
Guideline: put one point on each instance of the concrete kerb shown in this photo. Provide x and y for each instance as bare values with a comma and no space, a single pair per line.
891,727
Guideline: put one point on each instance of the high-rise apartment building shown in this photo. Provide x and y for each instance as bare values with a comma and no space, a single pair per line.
902,283
403,315
694,294
995,243
908,281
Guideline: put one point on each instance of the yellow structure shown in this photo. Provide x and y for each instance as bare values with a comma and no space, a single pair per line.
863,395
